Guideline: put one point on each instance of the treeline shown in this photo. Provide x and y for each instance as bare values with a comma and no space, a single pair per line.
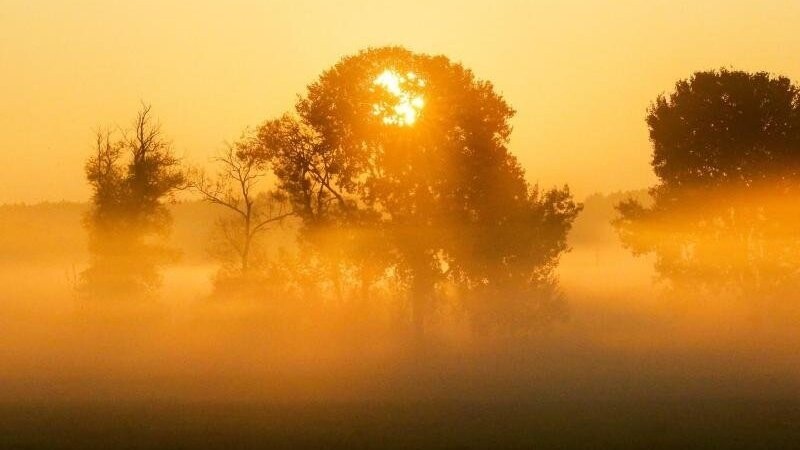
42,232
393,173
194,232
54,233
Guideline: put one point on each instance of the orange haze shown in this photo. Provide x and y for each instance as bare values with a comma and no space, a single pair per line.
580,74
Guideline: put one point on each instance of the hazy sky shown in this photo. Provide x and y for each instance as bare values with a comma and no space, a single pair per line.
580,74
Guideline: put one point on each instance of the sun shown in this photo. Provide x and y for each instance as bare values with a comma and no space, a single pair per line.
408,102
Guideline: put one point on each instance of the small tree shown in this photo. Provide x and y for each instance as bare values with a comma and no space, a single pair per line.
239,187
131,174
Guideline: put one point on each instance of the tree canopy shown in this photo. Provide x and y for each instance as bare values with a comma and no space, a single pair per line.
432,193
131,174
726,150
726,129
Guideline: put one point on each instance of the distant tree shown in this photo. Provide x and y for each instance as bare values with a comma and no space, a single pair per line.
726,150
401,159
131,174
239,187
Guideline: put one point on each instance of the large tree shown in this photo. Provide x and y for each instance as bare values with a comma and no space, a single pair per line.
398,164
131,174
726,150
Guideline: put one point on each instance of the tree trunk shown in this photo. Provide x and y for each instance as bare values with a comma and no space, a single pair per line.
248,237
421,296
246,254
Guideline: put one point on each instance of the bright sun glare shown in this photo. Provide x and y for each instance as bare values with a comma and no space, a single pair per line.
407,105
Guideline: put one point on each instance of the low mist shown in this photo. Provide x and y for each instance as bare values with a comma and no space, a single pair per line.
623,335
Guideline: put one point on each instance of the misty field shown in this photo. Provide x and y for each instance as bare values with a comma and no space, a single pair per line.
626,367
294,224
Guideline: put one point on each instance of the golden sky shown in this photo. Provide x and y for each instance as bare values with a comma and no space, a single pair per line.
580,74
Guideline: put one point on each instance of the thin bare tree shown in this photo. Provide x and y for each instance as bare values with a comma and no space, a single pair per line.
239,186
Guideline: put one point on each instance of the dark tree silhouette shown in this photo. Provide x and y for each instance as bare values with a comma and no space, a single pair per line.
239,187
726,150
131,175
398,165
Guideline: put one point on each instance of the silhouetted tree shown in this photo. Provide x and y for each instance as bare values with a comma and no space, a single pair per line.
339,236
400,162
131,174
238,186
726,150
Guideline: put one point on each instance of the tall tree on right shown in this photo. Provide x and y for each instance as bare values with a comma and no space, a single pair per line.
724,213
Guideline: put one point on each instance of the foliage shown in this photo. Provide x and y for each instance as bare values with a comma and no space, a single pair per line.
726,149
440,202
130,175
